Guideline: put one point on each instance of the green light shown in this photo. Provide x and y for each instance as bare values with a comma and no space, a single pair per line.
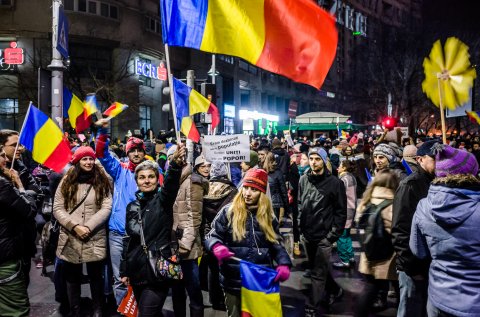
357,33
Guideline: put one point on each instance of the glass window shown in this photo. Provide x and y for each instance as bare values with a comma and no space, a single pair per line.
82,5
8,106
113,12
145,118
68,5
92,7
6,2
104,10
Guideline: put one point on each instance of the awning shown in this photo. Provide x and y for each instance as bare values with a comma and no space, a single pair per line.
322,126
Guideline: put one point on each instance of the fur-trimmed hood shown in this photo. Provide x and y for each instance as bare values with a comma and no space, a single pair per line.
454,198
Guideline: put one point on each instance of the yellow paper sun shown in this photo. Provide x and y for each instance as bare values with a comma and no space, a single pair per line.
452,66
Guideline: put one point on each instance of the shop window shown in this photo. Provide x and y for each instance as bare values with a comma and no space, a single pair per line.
145,118
227,59
8,107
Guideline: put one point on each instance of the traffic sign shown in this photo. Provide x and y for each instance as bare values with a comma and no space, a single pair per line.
62,33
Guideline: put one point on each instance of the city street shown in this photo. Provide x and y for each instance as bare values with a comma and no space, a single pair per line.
293,293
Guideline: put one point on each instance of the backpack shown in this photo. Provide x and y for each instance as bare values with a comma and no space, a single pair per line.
375,240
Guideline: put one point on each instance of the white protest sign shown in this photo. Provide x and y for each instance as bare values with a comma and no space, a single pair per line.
226,148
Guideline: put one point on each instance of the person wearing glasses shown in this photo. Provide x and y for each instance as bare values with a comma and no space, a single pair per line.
9,140
17,207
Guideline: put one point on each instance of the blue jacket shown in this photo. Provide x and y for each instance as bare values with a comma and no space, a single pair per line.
446,227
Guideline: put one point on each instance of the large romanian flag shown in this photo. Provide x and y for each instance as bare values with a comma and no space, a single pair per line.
260,294
45,140
74,110
293,38
189,102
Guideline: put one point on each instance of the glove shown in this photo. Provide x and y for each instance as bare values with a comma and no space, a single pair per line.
221,252
283,273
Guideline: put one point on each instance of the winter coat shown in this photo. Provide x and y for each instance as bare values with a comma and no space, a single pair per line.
220,193
283,161
381,270
411,190
322,206
124,187
187,213
278,189
350,184
445,227
157,218
254,248
16,209
70,248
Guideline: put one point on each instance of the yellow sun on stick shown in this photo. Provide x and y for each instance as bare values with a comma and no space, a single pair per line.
448,76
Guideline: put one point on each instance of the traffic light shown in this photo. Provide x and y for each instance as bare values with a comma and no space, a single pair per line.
166,99
389,123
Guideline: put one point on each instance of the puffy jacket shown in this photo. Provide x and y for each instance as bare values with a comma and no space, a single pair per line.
221,192
124,183
187,213
70,248
254,248
445,227
411,190
278,189
157,218
322,206
16,209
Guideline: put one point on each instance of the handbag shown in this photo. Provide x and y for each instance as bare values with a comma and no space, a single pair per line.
164,260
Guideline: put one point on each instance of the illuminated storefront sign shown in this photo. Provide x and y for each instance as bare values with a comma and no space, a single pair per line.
229,111
246,114
11,56
150,70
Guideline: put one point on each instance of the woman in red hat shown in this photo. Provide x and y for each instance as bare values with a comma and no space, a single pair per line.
82,205
247,229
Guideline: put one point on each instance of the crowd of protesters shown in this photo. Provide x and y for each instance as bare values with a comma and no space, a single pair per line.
116,201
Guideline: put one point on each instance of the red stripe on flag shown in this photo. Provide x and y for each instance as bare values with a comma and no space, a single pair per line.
193,134
300,41
59,157
82,122
213,110
246,314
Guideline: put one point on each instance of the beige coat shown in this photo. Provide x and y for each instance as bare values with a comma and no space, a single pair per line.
187,213
381,270
70,248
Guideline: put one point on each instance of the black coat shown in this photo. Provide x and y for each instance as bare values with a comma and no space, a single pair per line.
254,248
278,189
322,206
411,190
157,217
283,161
16,209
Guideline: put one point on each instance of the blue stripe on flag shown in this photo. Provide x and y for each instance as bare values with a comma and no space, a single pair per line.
35,120
258,278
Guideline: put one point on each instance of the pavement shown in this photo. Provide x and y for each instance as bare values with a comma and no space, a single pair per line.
293,294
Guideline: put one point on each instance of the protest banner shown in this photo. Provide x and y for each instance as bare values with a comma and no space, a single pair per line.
226,148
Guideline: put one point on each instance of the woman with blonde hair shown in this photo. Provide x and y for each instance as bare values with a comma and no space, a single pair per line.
247,229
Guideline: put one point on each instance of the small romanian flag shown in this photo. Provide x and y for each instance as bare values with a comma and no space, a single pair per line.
189,102
260,294
474,116
73,108
90,105
45,140
115,109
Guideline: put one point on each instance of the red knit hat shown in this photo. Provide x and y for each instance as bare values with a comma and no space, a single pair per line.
256,178
82,152
134,142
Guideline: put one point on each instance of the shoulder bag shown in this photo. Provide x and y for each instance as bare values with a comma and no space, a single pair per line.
164,261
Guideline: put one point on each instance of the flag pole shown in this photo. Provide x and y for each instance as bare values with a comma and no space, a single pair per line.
172,95
20,134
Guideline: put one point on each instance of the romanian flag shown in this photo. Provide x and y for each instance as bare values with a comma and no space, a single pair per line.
260,294
115,109
474,116
189,102
73,108
293,38
45,140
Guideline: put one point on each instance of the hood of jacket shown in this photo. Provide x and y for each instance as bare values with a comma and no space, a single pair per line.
219,189
453,199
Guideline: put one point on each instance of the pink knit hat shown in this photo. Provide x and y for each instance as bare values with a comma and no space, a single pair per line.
82,152
452,161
